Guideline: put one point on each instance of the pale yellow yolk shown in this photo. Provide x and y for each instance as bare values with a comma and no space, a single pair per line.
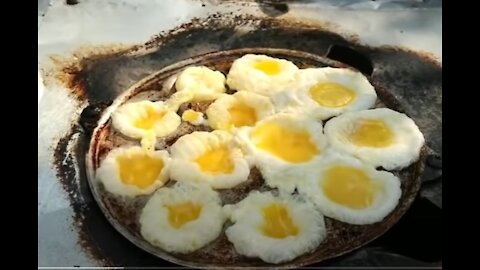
290,145
277,222
216,161
182,213
330,94
372,133
149,120
191,116
349,186
139,170
242,115
269,67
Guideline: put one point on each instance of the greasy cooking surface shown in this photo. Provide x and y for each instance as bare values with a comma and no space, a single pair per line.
341,237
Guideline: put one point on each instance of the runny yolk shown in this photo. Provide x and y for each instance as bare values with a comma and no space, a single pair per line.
290,145
139,170
242,115
149,120
216,161
277,222
330,94
269,67
180,214
349,186
372,133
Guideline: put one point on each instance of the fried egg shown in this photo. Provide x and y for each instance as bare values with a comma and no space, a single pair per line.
275,229
381,137
352,191
204,83
283,146
261,74
209,157
145,120
238,110
193,117
132,171
326,92
182,218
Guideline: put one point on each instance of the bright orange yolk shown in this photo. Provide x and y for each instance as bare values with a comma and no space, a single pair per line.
277,222
139,170
372,133
216,161
289,145
330,94
349,186
180,214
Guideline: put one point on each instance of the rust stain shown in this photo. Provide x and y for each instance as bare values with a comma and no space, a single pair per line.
68,70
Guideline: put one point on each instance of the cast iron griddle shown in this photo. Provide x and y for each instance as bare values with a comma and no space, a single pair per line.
123,214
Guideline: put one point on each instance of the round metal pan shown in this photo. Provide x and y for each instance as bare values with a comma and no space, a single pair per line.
123,214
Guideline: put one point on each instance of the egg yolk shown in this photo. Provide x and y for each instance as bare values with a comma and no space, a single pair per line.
180,214
191,116
148,121
349,186
330,94
242,115
216,161
289,145
372,133
277,222
269,67
139,170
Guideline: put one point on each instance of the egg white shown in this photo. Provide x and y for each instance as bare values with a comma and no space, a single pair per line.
277,172
243,76
404,151
248,239
202,82
384,202
218,112
297,97
175,100
124,117
156,228
108,172
189,147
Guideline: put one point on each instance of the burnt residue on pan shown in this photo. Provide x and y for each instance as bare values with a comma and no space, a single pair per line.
341,237
414,79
